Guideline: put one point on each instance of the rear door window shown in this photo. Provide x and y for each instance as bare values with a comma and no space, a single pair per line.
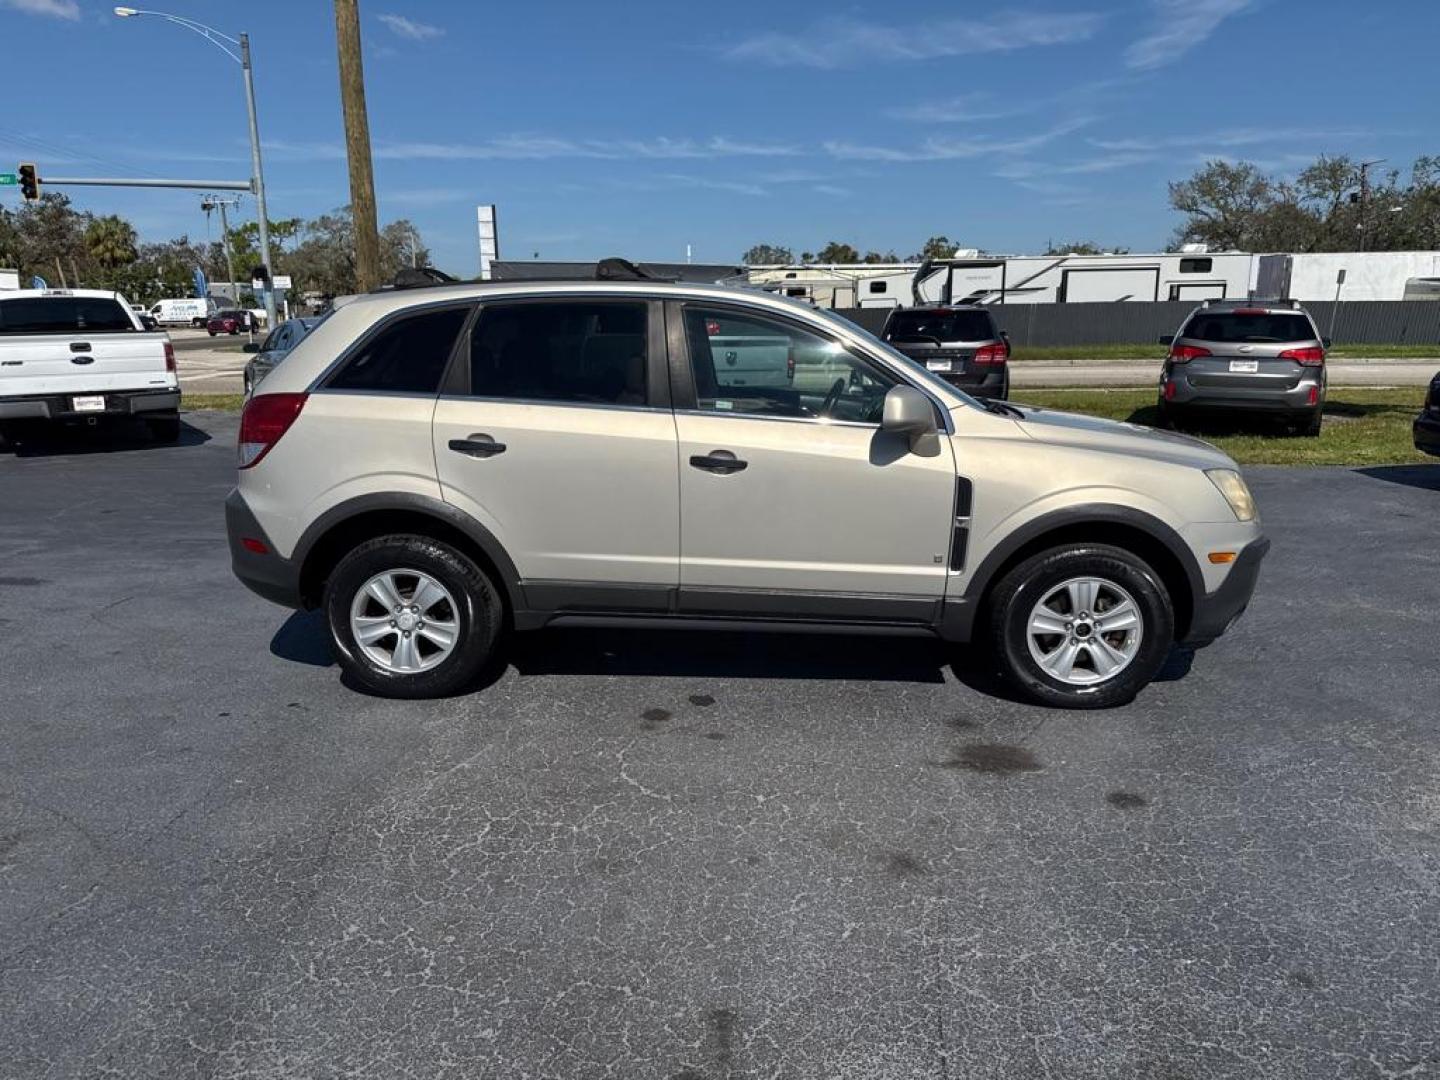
408,356
580,352
1243,328
921,325
64,315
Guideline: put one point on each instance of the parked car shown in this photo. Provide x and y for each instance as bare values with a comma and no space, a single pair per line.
79,356
228,322
1246,355
274,349
1427,424
431,465
186,311
959,343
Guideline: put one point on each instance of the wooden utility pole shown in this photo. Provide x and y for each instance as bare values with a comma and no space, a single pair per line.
357,144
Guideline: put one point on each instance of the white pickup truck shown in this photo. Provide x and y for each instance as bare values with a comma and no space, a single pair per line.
80,355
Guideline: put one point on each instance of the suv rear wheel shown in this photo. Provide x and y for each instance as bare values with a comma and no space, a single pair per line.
411,617
1084,626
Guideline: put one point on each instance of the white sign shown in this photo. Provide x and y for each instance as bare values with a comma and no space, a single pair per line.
489,229
282,281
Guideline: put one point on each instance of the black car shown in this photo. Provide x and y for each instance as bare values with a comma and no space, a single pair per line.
1427,424
958,342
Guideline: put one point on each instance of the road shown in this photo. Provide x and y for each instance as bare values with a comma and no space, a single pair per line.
704,856
213,366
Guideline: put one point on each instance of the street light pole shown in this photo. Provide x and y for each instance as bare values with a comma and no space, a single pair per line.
257,175
1364,195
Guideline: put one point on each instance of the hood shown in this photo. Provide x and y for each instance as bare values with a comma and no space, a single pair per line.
1117,436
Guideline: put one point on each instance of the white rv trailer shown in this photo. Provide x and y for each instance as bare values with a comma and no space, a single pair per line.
1088,279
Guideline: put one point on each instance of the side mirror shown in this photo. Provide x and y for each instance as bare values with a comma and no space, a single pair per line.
907,412
250,346
1325,341
1167,340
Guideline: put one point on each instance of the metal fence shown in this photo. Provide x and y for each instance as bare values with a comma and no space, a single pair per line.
1372,322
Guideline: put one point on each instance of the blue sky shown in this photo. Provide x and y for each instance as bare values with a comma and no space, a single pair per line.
637,127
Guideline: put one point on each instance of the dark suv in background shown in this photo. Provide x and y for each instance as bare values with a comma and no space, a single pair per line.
1251,355
1427,424
959,343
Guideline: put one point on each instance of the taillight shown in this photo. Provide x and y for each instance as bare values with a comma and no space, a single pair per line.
1250,313
1310,356
264,420
1169,389
1183,354
169,357
988,355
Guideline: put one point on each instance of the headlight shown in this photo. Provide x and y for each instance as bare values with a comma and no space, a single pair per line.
1235,492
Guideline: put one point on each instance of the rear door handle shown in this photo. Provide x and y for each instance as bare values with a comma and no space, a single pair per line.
722,462
477,446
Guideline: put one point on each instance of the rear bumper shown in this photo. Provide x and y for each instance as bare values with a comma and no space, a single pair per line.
1293,399
1214,612
117,403
993,382
264,573
1427,433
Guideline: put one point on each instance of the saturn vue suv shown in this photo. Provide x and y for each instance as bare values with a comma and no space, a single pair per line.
436,468
1248,355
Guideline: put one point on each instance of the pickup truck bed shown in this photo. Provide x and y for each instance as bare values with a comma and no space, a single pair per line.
79,355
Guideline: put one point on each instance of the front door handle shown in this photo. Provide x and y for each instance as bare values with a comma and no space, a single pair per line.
722,462
477,446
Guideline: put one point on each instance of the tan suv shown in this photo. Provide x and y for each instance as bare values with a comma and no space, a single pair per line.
436,467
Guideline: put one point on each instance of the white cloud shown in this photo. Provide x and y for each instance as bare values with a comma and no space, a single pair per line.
410,29
1179,26
957,110
949,149
845,42
54,9
1233,137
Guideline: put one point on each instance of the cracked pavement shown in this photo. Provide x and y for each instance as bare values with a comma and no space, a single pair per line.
699,856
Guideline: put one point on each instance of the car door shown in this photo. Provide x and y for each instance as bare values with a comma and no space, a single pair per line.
793,501
556,433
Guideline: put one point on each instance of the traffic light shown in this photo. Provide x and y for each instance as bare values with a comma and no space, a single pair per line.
261,273
29,182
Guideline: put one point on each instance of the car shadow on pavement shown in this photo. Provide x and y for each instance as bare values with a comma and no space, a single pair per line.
976,669
302,639
1418,476
116,436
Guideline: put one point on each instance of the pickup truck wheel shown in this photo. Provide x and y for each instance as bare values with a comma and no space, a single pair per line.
1083,626
411,617
165,429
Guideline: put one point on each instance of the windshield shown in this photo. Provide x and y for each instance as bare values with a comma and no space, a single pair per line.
913,369
1241,327
920,325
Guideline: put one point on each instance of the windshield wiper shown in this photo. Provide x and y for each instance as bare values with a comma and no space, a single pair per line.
1000,408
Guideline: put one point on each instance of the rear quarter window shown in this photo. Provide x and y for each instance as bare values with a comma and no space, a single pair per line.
1231,327
64,315
406,356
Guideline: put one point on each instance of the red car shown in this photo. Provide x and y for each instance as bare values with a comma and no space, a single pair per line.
227,322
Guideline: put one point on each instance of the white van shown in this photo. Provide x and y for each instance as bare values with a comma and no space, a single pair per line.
190,311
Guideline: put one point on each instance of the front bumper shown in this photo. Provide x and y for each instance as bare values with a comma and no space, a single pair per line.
1214,612
1427,432
117,403
265,573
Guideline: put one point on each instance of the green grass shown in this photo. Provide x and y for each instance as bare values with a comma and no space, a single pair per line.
1141,351
1362,427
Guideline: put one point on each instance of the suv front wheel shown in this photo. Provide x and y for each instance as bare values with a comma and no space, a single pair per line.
411,617
1084,626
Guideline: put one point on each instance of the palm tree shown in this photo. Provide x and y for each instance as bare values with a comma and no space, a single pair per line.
111,242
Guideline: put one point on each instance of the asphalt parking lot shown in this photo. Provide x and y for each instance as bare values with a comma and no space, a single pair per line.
703,856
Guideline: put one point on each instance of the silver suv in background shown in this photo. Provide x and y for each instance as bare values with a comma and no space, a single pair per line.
1246,355
957,342
435,467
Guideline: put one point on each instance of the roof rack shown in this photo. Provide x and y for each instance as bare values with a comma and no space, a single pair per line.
1251,301
615,269
419,277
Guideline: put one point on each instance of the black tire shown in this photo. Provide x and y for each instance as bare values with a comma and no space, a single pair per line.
165,429
211,333
1310,426
1171,418
1017,593
479,614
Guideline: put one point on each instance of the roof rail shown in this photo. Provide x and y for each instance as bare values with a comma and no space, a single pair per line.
420,277
615,269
